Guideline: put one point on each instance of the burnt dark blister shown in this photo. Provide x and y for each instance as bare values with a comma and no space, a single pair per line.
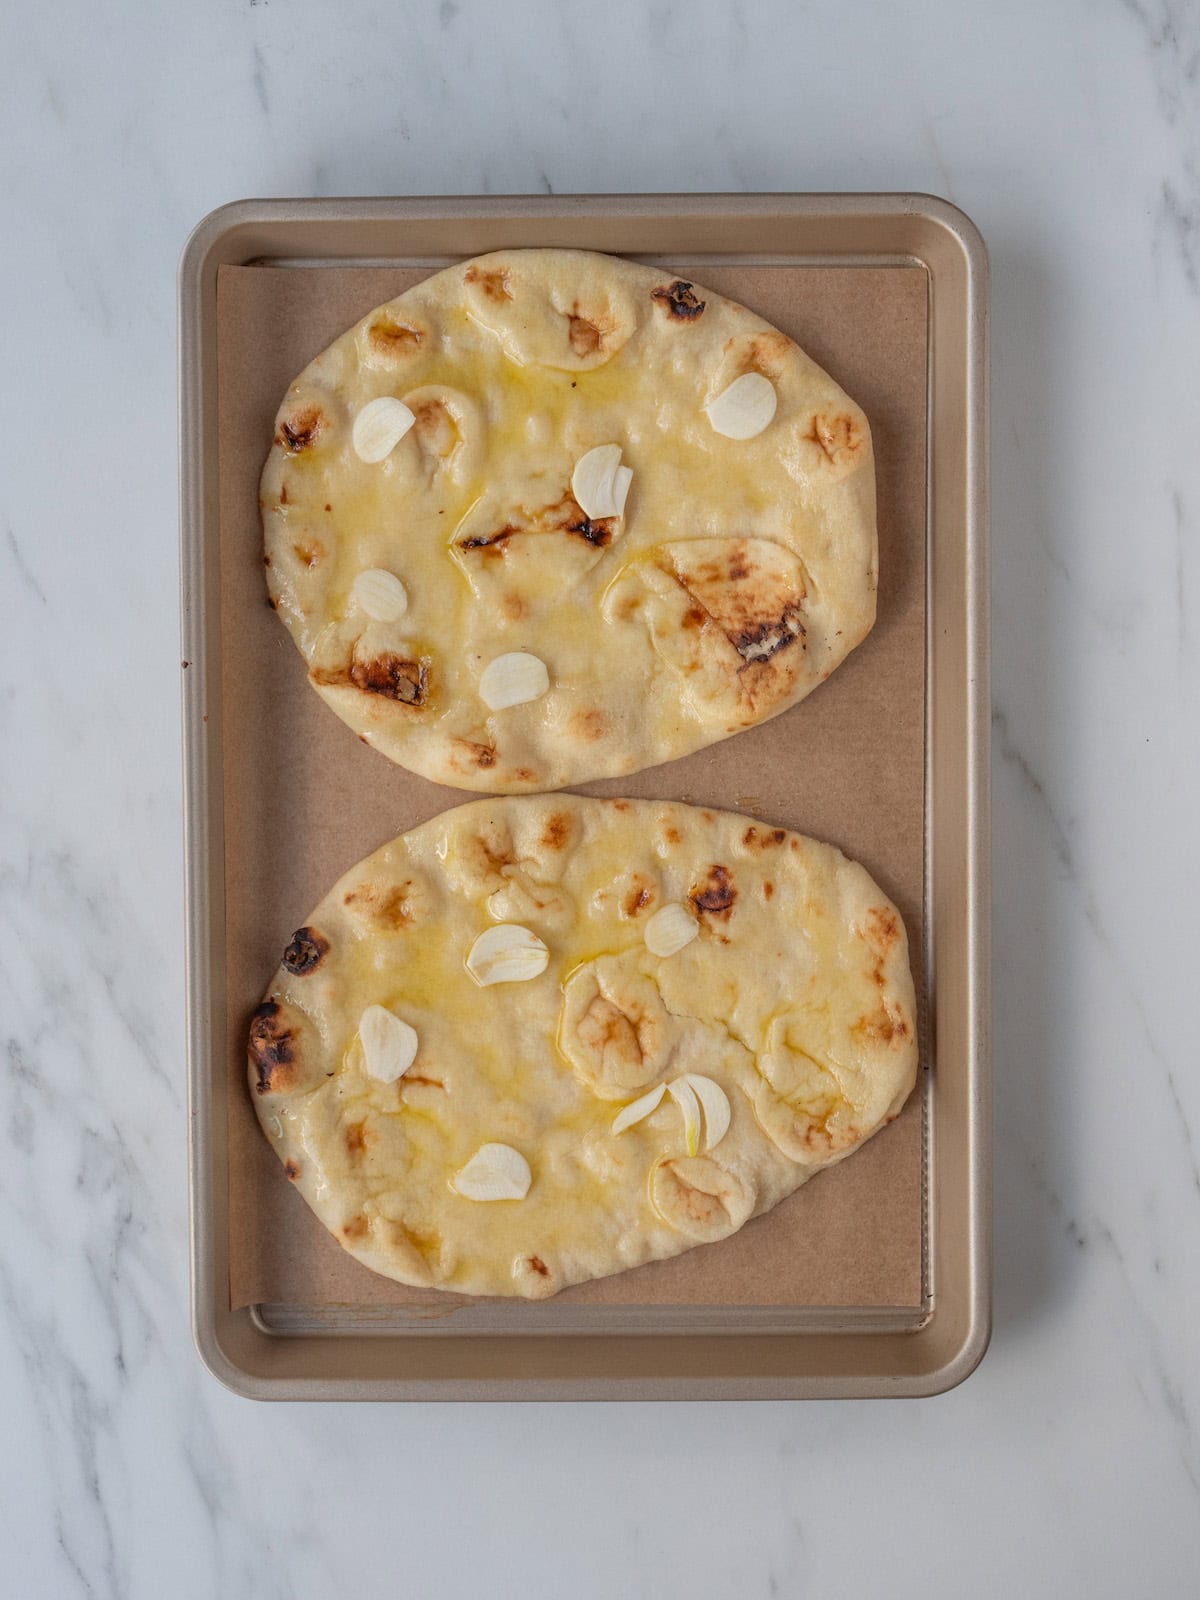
300,431
598,533
767,639
393,677
306,952
271,1045
488,541
680,300
716,895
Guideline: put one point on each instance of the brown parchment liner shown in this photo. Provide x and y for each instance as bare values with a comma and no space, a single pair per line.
304,799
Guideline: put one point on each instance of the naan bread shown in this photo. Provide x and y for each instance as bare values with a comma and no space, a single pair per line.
741,572
785,1004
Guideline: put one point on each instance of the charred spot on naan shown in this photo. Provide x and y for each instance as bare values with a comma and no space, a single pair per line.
309,555
421,1080
800,1104
571,324
394,677
824,1133
494,285
466,754
596,531
401,679
698,1197
274,1049
590,726
716,895
388,907
614,1033
558,831
835,442
589,335
727,616
534,1278
638,894
762,640
680,300
769,352
753,590
493,543
615,1030
886,1024
300,429
564,515
304,954
448,434
764,838
387,336
480,858
434,428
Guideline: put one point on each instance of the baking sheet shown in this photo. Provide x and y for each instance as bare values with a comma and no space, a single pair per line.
304,800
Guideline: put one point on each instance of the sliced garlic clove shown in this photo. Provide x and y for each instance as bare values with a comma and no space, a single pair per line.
639,1109
600,483
669,929
513,680
380,594
684,1097
507,953
494,1172
379,428
715,1102
743,409
389,1044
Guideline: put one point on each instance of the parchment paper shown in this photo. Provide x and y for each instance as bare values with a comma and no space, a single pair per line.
304,799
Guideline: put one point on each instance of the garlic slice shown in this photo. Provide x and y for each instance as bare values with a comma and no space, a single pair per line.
494,1172
379,428
716,1107
743,409
638,1110
684,1097
389,1043
507,953
380,594
669,929
600,483
513,680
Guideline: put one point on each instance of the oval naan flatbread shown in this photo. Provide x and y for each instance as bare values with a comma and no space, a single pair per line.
740,572
477,1009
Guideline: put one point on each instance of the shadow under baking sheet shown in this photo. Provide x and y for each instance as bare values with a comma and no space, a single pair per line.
1036,698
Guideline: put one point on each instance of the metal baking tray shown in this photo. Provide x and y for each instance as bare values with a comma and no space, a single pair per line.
288,1353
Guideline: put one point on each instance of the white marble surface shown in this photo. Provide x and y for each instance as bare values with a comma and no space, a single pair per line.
1070,1463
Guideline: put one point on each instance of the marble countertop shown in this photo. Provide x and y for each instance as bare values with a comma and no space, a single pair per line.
1070,1462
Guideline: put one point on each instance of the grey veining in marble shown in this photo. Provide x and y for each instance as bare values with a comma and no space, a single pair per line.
1070,1463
